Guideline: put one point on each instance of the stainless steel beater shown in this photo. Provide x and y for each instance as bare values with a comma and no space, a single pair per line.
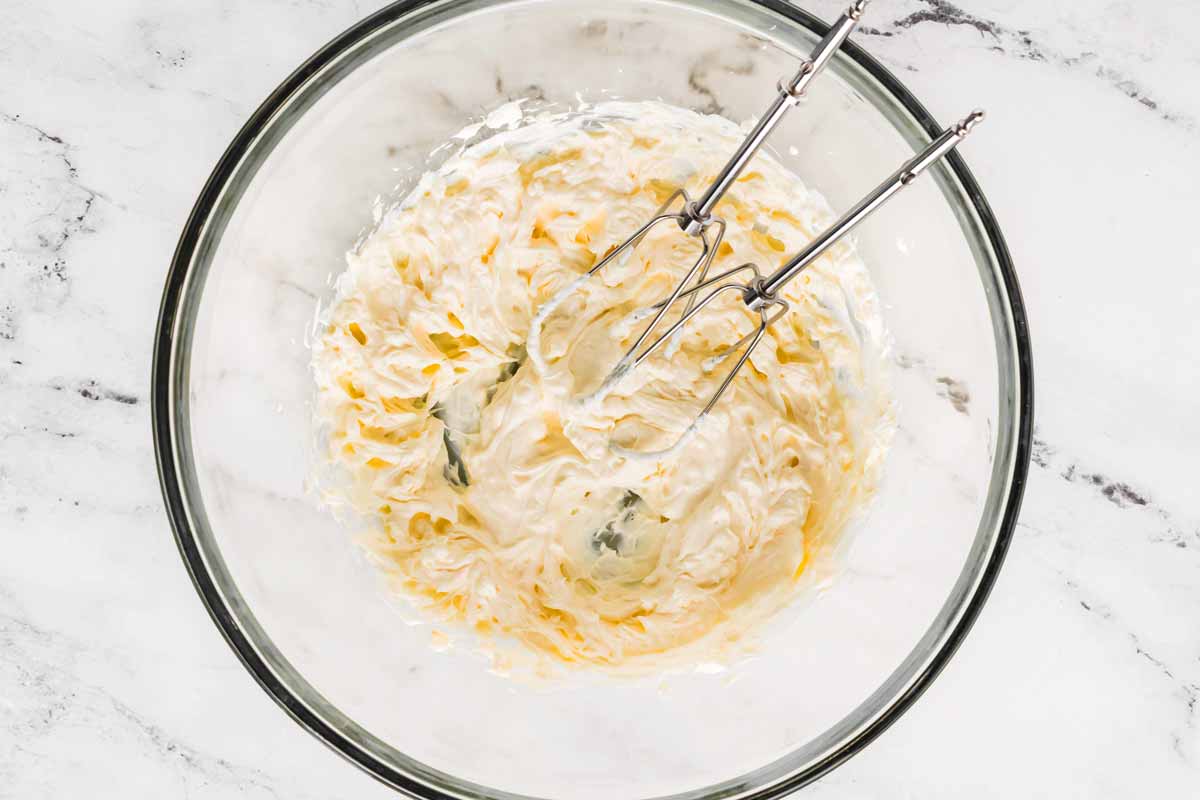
762,293
695,218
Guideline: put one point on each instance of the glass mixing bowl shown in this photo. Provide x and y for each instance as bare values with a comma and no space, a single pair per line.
310,617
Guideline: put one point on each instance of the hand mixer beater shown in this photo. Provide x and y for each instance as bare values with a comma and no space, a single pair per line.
695,218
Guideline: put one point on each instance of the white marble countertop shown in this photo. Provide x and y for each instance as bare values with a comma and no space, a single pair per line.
1081,679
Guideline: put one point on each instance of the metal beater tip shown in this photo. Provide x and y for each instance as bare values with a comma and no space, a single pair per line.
974,118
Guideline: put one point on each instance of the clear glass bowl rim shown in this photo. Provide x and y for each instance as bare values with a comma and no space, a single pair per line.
169,381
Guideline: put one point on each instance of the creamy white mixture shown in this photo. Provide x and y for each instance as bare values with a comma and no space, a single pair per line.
497,499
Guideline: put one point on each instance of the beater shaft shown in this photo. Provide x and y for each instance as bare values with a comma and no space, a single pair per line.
791,92
765,290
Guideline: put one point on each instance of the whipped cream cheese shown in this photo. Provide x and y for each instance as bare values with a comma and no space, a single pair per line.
496,498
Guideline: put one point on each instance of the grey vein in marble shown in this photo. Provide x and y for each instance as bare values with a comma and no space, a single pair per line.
1118,492
1187,688
1022,44
40,223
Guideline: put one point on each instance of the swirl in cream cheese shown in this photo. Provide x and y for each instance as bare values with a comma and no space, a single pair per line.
495,497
